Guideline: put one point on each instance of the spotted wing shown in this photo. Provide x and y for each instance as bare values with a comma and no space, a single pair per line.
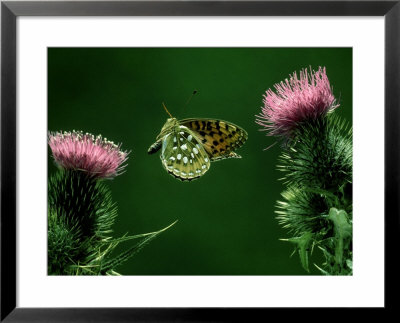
182,155
219,138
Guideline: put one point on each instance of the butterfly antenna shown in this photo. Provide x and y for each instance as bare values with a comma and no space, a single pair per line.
187,102
190,98
165,108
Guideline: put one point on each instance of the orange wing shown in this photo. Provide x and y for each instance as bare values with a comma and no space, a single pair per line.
219,138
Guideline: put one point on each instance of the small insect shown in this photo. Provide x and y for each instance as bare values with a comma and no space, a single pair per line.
189,146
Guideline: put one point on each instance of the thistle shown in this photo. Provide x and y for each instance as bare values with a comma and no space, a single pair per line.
316,160
295,101
96,156
81,212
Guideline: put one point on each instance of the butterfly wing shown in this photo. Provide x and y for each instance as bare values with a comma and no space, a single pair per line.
182,155
219,138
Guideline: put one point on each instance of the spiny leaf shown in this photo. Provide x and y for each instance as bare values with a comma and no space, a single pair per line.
124,256
342,229
303,244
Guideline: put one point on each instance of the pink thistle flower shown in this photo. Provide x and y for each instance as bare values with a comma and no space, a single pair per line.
295,101
96,156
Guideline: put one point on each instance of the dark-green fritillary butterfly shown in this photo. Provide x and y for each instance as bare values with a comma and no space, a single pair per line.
189,146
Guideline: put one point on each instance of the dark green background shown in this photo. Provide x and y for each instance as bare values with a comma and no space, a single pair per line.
226,224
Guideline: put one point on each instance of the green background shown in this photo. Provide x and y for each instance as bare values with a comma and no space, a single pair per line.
226,224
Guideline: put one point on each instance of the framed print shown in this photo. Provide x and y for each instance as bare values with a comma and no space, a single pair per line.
113,118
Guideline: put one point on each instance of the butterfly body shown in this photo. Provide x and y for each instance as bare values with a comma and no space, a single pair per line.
188,146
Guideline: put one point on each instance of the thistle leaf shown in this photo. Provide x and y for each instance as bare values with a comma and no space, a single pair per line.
342,229
303,244
124,256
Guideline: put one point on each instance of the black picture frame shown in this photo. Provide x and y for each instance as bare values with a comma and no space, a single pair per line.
10,10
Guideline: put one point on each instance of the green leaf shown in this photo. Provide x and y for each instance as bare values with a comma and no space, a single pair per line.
342,229
303,245
124,256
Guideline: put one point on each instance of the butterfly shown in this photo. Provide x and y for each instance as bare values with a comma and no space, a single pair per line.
189,146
